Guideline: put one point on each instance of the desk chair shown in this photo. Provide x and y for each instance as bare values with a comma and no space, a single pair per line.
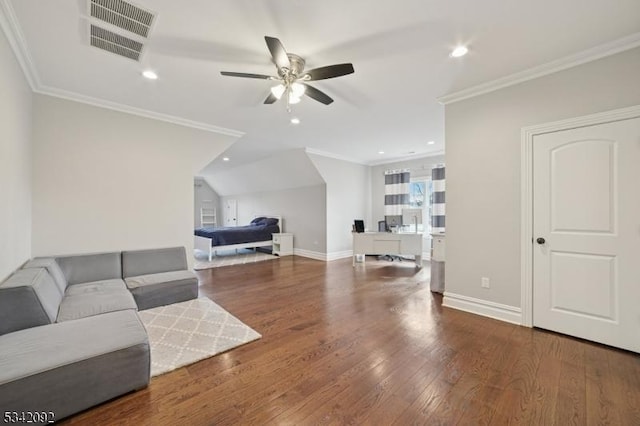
382,227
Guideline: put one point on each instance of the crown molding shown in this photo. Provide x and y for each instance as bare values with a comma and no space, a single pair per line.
371,163
11,28
598,52
406,158
77,97
332,155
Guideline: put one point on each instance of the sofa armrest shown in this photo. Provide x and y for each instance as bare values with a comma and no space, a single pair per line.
28,298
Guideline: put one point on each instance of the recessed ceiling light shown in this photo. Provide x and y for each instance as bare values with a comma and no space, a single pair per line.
430,142
150,75
295,120
459,51
225,159
380,152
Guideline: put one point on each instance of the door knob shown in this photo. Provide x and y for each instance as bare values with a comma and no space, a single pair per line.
540,240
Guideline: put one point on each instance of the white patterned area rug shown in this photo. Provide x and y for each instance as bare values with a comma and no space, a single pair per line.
187,332
229,257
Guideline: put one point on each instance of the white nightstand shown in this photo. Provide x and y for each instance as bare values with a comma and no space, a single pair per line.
282,244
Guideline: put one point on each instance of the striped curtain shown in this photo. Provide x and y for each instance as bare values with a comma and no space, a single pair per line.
396,195
437,209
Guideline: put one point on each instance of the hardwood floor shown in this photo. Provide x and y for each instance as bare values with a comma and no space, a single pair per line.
374,346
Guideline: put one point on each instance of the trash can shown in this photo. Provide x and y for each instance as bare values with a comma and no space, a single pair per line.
437,263
437,276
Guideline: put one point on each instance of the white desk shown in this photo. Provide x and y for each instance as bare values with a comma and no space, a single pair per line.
387,243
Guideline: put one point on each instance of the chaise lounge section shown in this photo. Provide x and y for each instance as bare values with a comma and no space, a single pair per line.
70,335
66,367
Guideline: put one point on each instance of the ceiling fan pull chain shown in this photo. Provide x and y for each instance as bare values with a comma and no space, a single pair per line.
286,94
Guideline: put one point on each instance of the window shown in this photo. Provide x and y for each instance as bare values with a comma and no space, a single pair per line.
420,196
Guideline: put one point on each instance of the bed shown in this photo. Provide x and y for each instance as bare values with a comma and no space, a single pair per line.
257,234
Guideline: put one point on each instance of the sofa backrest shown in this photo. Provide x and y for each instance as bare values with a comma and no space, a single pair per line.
28,298
91,267
52,267
154,261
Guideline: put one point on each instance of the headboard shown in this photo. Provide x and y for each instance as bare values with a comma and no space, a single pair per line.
275,216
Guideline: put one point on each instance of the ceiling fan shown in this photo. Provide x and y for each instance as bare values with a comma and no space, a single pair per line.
292,77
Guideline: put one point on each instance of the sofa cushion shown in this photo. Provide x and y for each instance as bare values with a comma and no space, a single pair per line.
83,305
96,287
163,289
52,267
28,298
69,367
91,267
145,262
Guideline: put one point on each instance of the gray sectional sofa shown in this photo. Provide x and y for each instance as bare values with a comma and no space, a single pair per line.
70,335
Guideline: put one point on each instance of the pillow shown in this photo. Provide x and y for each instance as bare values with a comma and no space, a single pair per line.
258,220
270,221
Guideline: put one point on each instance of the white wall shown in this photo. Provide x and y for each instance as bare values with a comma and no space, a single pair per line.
303,211
419,167
104,180
483,165
15,162
348,198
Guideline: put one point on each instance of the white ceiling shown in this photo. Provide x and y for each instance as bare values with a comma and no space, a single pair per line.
399,49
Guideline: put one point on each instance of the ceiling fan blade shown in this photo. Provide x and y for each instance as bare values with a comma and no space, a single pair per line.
278,53
316,94
270,99
245,75
330,71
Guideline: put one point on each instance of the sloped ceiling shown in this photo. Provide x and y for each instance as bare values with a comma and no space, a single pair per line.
399,48
289,169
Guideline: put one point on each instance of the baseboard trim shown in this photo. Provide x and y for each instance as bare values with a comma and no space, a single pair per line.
339,255
325,257
486,308
310,254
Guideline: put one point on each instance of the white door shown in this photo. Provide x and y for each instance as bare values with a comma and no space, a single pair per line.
230,213
586,213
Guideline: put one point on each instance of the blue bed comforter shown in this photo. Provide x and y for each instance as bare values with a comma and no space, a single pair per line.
224,236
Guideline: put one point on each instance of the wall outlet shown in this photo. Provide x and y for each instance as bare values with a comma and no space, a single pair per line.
484,282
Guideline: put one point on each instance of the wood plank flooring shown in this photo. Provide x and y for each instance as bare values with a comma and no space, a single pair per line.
373,346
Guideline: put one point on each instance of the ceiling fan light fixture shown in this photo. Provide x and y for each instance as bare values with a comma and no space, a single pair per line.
278,90
297,90
291,75
293,99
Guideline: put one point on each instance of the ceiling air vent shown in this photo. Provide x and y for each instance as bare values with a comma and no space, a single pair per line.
123,15
115,43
